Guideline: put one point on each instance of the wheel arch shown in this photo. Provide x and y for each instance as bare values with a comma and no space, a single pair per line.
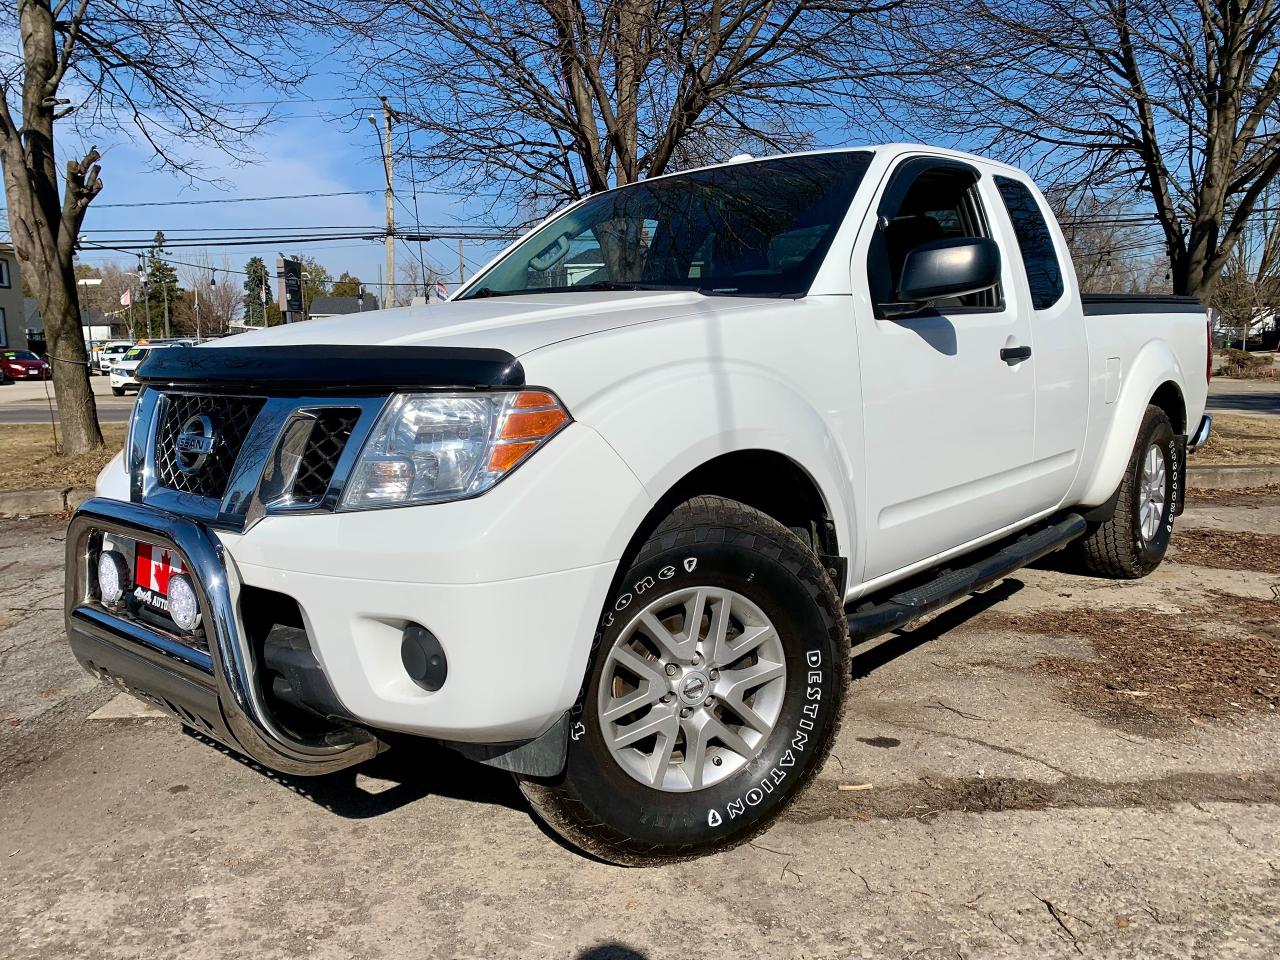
769,481
1154,378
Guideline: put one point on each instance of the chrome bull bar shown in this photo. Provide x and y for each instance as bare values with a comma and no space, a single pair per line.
216,692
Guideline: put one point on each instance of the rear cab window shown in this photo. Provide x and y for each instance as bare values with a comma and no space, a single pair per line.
1035,243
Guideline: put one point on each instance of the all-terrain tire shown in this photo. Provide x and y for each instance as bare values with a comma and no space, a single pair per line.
726,549
1117,547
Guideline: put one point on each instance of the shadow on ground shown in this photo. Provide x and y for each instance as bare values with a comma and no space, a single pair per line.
867,658
407,772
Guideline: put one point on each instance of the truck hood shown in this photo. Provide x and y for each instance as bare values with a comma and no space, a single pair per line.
516,324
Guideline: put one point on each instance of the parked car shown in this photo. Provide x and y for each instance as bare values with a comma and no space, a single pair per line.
24,365
608,518
125,367
111,354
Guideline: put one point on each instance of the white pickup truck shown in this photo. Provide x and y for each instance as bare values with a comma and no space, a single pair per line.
610,517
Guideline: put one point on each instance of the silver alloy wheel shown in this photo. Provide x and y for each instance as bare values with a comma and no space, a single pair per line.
1151,493
692,688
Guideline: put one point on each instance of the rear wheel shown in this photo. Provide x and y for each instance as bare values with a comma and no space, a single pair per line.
118,391
1134,541
713,695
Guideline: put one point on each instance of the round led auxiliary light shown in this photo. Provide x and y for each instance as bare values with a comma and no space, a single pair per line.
113,575
184,608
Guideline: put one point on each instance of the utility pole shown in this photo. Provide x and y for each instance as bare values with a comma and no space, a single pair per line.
387,115
146,291
461,264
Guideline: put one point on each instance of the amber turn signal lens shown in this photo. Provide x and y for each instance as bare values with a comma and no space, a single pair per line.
533,423
529,399
507,455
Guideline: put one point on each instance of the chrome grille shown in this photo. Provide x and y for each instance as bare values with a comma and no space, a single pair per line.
328,438
231,419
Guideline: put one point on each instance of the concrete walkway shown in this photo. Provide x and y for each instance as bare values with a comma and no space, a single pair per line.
1010,814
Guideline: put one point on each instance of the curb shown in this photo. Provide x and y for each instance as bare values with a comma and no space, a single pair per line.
1231,476
34,503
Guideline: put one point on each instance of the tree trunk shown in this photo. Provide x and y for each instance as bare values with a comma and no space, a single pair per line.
44,224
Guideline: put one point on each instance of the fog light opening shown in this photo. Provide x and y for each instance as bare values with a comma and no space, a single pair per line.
184,607
423,658
113,576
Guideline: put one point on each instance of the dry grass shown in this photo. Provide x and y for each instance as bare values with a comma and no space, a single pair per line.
28,460
1240,439
1153,666
1227,550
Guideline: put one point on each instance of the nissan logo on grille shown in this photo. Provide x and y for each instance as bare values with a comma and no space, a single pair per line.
195,443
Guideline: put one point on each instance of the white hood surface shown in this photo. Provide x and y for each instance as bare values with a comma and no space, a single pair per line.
516,324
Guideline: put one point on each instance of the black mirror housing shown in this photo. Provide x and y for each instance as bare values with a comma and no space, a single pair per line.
949,268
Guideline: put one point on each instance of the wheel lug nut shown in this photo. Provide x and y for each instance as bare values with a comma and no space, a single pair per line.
697,659
715,674
717,760
668,697
685,713
672,669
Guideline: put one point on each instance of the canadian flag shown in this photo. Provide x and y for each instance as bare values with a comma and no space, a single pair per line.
155,566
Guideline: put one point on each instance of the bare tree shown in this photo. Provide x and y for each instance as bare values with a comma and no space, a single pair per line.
1114,248
217,290
1248,292
417,279
1175,101
148,69
548,100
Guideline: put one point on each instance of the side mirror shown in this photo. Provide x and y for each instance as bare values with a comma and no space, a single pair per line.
949,268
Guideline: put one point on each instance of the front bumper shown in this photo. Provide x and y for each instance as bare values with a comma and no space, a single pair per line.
215,691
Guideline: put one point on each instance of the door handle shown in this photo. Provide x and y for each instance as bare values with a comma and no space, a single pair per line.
1012,355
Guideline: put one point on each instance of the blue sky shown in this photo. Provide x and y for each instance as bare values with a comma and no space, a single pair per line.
311,148
324,146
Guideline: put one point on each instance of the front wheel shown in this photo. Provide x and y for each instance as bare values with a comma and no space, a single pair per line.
118,391
1134,541
713,696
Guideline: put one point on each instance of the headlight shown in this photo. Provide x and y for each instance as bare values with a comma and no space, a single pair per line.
429,447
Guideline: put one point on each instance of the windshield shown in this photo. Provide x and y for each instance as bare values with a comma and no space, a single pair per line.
137,353
750,229
20,355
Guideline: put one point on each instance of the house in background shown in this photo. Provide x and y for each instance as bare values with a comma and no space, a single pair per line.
13,325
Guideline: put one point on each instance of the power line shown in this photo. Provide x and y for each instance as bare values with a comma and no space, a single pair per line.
192,203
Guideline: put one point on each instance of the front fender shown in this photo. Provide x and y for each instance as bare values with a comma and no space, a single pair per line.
666,423
1154,365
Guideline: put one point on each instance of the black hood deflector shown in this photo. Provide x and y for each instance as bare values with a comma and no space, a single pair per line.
330,368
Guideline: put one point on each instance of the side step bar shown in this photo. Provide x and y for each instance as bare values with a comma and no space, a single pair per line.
871,620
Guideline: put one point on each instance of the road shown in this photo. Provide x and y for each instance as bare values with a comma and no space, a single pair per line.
1056,770
1244,396
27,402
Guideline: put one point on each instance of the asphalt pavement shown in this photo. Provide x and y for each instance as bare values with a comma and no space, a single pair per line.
1244,396
28,402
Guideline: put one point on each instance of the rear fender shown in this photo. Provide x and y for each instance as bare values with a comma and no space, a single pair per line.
1154,365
